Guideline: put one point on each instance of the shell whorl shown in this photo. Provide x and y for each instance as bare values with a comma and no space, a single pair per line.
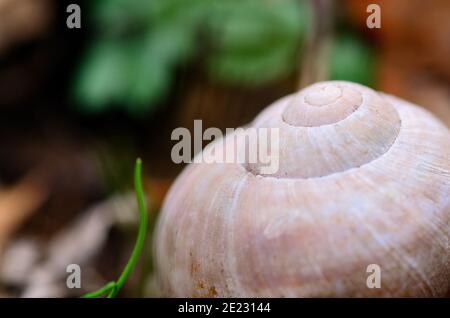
329,127
323,104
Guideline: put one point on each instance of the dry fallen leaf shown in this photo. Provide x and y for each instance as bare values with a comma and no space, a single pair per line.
22,20
18,202
79,243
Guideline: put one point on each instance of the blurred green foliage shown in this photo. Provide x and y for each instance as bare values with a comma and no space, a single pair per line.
257,42
352,60
139,44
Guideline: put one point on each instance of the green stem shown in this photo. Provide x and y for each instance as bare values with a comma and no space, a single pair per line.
100,292
114,287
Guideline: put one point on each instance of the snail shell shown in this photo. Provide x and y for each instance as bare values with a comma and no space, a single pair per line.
363,178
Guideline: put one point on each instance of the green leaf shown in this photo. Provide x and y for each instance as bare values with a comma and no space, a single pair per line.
253,69
102,77
149,83
152,65
113,18
257,41
141,42
352,60
254,24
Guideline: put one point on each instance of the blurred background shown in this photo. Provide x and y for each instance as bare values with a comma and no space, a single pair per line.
78,106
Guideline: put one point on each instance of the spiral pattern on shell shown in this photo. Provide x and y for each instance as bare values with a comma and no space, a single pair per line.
330,127
363,178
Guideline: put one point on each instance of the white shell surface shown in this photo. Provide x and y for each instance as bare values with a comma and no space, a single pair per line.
227,231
